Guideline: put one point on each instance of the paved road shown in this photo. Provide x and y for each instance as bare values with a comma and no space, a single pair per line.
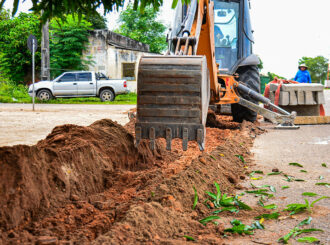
309,146
20,125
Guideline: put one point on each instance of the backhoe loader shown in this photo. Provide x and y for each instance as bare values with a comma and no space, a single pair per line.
209,62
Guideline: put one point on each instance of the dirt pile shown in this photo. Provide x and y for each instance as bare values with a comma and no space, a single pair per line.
84,184
164,214
73,161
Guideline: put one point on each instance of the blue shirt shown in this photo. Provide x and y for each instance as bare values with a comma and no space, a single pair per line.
303,77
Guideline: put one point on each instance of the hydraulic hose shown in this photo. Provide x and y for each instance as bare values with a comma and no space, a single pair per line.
189,20
259,97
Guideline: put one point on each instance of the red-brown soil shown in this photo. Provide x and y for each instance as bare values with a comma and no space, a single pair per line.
84,184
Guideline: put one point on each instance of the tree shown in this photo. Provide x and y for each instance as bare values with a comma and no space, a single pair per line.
98,21
15,58
317,67
67,42
143,27
57,8
272,76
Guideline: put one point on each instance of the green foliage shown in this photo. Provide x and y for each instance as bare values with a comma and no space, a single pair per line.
53,8
308,239
11,92
296,164
195,198
67,42
273,75
299,207
261,64
297,231
143,27
240,157
274,215
98,21
208,219
317,66
240,228
15,58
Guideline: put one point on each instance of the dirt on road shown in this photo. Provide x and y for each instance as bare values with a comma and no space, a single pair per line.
84,184
20,125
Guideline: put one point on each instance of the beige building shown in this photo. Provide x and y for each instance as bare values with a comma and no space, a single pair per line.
115,55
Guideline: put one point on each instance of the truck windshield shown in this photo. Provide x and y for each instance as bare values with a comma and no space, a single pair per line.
226,16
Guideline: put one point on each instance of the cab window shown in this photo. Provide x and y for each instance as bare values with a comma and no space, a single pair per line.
68,77
85,77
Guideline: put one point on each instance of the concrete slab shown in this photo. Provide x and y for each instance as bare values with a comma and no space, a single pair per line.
293,98
284,98
320,98
309,98
301,97
303,87
304,110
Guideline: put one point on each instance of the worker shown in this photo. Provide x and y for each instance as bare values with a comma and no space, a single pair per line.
303,75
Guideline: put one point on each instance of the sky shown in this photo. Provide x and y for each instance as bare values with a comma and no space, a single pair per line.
285,30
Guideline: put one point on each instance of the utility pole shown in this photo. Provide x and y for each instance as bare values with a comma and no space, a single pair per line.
45,69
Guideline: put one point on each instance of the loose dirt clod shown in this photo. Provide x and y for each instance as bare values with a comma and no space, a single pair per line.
84,184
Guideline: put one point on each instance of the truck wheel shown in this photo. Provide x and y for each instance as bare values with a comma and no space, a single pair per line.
44,95
107,95
249,76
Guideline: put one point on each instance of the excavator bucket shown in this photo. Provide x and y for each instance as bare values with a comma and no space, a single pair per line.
173,99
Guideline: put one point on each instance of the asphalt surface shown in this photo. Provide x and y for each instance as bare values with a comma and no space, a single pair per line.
310,147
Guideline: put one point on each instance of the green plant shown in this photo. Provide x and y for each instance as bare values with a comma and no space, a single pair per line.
240,157
274,215
308,239
324,165
208,219
297,231
285,187
15,57
310,194
67,42
225,202
240,228
317,66
256,172
296,164
195,198
299,207
323,183
189,238
275,173
143,27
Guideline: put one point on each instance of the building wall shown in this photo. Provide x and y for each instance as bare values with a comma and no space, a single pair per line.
110,58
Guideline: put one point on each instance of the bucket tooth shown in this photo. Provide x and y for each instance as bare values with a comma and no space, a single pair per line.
200,139
152,138
185,139
137,135
168,138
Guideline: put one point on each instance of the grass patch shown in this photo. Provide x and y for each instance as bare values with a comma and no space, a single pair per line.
11,92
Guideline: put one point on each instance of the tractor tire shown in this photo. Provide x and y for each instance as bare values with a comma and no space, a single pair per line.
249,76
107,95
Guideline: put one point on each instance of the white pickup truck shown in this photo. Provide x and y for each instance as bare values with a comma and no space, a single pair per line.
79,84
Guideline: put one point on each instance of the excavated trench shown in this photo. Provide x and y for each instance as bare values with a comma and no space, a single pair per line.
91,183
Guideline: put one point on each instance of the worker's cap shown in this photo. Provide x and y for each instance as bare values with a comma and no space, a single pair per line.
303,65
